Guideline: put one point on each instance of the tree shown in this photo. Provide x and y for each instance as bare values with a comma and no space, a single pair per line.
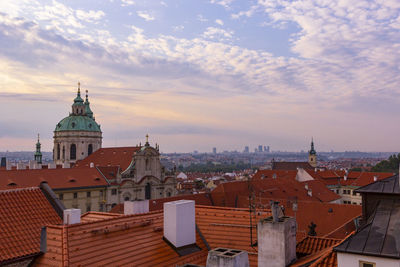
389,165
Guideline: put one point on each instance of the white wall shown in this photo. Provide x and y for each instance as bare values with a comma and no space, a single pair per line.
348,259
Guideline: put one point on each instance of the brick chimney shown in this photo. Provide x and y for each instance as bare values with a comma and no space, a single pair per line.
276,238
179,222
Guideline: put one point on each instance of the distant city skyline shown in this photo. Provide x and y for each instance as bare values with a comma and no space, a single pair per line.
201,74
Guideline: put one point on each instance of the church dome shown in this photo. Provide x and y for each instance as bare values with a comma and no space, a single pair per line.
77,123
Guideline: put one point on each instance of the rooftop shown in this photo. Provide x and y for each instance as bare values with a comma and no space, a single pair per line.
23,213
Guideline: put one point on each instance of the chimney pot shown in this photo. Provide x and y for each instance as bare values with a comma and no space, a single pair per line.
227,257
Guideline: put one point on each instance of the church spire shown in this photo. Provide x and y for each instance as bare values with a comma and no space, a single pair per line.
88,111
38,153
312,150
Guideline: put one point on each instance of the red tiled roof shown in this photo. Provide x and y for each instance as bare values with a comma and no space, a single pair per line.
320,191
110,156
137,239
56,178
23,212
312,244
92,216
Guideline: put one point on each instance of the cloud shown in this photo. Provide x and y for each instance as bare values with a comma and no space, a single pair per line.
145,15
90,16
224,3
217,34
178,28
219,22
127,3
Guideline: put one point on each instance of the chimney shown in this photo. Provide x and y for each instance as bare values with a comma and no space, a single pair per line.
227,258
72,216
309,192
306,186
20,166
136,207
345,177
51,165
179,222
375,178
66,165
276,241
91,165
32,164
8,165
275,210
3,162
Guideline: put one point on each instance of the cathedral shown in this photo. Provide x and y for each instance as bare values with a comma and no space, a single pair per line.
78,135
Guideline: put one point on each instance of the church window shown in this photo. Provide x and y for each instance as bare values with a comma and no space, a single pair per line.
126,198
90,149
58,151
148,191
168,194
73,152
73,125
63,153
90,125
147,164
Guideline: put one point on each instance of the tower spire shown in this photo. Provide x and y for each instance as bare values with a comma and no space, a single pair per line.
38,153
79,89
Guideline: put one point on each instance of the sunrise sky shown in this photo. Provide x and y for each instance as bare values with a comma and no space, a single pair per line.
197,74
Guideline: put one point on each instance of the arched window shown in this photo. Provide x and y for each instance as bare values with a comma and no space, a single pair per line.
63,153
72,152
58,151
147,164
90,149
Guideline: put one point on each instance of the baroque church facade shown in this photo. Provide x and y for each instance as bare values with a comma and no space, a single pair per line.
133,173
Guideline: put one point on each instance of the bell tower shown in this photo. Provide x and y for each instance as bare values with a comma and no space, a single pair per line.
312,155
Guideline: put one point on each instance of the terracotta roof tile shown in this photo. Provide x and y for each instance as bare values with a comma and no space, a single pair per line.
110,156
313,244
23,212
56,178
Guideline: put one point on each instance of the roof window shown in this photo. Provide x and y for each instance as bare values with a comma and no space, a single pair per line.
73,125
97,179
12,184
72,180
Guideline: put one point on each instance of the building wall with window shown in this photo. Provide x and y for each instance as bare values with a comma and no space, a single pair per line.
356,260
85,199
347,194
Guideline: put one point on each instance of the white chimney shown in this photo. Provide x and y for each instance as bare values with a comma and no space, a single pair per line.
91,165
309,192
276,242
136,207
375,178
20,166
179,222
345,177
8,165
306,186
72,216
32,164
66,165
227,257
51,165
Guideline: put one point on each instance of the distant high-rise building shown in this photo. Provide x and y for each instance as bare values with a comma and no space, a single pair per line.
214,150
246,149
268,149
260,148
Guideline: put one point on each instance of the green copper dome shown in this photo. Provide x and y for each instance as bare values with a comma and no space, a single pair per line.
77,123
81,118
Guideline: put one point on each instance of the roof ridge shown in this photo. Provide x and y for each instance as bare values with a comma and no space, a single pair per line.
19,189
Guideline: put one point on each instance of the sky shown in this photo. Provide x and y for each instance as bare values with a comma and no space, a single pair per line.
200,74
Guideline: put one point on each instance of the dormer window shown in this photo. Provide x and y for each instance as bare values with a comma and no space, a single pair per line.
73,125
12,184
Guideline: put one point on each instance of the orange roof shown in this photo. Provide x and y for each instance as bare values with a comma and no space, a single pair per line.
56,178
110,156
138,239
23,212
312,244
320,191
92,216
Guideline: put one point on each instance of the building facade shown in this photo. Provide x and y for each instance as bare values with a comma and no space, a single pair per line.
78,135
